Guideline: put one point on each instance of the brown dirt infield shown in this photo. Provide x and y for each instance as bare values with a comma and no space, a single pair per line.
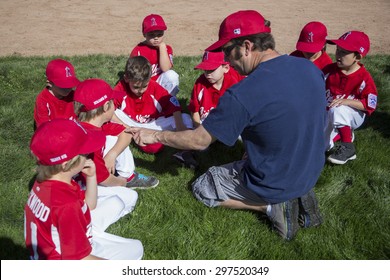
80,27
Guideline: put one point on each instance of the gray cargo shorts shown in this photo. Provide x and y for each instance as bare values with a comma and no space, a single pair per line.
221,183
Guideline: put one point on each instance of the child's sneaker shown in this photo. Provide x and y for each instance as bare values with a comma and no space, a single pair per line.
186,158
284,218
140,181
309,213
343,153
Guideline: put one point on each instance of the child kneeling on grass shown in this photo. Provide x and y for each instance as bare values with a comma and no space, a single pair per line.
58,212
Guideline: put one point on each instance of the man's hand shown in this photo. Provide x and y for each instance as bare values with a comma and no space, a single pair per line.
143,136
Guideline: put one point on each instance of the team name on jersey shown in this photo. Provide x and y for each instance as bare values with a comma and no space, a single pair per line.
204,113
155,70
40,210
143,118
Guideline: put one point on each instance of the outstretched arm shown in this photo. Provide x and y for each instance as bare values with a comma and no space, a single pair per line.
197,139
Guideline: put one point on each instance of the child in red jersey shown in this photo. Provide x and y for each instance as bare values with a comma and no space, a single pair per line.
211,85
56,100
351,93
146,103
312,44
217,77
57,213
159,54
94,106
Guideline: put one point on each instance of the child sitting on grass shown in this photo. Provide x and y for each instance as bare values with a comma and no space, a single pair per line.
351,93
159,54
56,100
312,44
216,78
94,106
147,104
57,214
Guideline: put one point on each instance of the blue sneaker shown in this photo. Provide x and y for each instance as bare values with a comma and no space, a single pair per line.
141,181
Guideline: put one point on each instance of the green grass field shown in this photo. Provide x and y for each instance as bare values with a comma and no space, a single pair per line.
354,198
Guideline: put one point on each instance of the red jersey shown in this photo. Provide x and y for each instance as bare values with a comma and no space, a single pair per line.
108,128
320,62
152,54
48,107
205,96
154,103
57,222
358,85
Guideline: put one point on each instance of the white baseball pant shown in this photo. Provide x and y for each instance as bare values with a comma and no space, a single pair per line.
170,81
342,116
112,204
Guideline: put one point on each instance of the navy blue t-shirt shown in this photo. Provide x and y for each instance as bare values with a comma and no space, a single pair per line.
280,111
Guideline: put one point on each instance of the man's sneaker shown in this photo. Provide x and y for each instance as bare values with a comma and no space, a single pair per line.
343,153
140,181
186,158
309,213
284,218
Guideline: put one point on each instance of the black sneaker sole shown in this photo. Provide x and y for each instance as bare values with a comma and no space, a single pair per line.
337,161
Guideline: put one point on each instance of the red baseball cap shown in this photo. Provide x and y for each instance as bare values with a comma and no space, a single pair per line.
61,140
312,38
354,41
61,73
211,61
153,22
239,24
93,93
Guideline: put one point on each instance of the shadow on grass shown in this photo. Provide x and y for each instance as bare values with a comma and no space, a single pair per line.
31,182
379,121
11,251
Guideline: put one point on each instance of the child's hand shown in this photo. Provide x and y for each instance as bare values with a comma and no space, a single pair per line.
162,46
109,160
89,168
337,101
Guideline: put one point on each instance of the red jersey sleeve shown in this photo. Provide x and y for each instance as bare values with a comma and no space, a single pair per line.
169,104
113,129
41,110
197,92
369,94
